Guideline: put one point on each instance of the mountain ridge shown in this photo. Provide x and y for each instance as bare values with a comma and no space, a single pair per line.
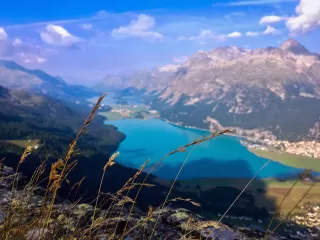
15,76
262,89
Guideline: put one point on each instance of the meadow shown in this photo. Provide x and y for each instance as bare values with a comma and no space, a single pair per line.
297,161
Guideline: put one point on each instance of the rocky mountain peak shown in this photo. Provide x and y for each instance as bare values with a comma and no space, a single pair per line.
294,46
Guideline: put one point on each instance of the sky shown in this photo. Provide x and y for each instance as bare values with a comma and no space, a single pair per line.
83,41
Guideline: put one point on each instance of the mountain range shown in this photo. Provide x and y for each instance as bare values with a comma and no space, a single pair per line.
271,92
15,76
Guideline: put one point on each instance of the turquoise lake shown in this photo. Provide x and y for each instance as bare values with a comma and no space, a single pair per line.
223,156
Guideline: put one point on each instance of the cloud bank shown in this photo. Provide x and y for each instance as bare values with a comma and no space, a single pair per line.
58,36
142,27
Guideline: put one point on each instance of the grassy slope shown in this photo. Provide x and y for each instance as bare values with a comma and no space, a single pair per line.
289,159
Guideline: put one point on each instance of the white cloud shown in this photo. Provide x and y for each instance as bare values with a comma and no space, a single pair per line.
271,31
230,16
3,34
41,60
208,35
257,2
21,51
234,35
58,36
181,38
17,42
102,14
307,17
179,59
142,27
252,34
86,26
270,19
240,14
168,68
99,16
31,58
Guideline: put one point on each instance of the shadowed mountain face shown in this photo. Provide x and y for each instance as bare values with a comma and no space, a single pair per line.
32,116
14,76
272,92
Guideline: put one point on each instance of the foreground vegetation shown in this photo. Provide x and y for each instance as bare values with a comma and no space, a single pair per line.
110,215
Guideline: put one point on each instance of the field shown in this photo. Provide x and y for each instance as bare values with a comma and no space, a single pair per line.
133,108
289,159
132,111
111,115
24,143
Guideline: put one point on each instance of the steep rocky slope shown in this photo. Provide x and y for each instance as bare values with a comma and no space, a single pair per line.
274,91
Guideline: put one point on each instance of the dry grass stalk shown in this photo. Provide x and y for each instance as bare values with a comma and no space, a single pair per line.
59,173
23,157
129,185
63,164
15,207
183,149
279,206
187,226
108,164
150,212
243,190
189,200
290,212
111,161
180,149
171,188
77,184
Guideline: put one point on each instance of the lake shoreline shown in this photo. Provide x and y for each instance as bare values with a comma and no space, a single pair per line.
200,129
252,149
240,137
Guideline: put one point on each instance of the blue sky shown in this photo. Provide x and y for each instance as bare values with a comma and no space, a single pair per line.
85,40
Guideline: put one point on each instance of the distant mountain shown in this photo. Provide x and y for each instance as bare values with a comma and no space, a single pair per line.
111,83
294,47
268,92
138,80
14,76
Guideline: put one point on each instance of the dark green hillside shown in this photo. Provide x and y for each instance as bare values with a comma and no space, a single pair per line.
31,116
